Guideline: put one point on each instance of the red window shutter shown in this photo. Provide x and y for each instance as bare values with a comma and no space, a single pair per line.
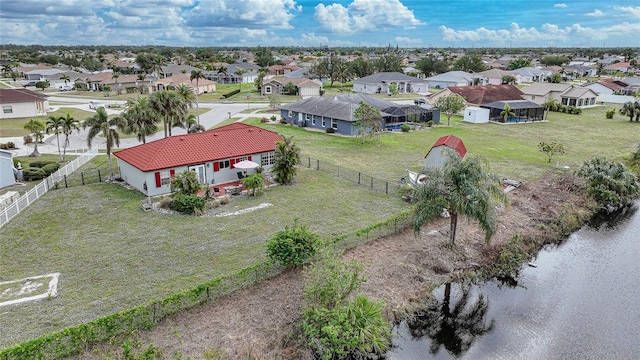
216,166
233,162
249,158
158,182
172,173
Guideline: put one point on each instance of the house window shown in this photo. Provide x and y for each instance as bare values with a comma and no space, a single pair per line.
334,123
8,109
224,164
307,117
313,121
267,89
324,122
268,158
290,113
165,177
533,97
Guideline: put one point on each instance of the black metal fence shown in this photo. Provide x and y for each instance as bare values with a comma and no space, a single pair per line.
375,184
80,178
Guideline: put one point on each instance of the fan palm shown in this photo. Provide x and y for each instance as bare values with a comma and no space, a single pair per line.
169,106
461,187
550,105
54,124
68,125
36,127
101,124
139,118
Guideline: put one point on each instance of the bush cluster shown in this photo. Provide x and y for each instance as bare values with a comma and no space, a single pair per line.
330,130
293,246
33,174
189,204
50,168
609,114
405,127
8,145
569,109
231,93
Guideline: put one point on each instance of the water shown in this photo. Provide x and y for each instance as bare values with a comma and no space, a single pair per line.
582,301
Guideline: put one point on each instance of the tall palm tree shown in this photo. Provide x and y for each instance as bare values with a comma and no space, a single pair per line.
36,127
54,123
461,187
170,107
101,124
115,77
506,113
140,120
68,125
240,72
186,93
197,75
65,77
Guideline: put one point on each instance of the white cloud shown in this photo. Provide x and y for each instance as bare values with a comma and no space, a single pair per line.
596,13
274,14
561,6
633,11
365,15
404,41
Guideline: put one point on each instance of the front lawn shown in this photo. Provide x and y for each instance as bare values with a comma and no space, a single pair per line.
15,127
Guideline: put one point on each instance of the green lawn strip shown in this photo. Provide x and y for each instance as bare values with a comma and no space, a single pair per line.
15,127
113,256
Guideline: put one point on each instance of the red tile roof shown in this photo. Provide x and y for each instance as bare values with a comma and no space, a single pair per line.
225,142
20,95
451,141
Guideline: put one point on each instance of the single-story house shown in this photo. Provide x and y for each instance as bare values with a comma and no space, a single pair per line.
607,86
204,85
338,111
379,83
276,70
231,77
565,94
20,103
624,67
175,69
7,177
455,78
578,71
97,82
211,155
438,154
523,111
531,74
306,87
478,95
494,76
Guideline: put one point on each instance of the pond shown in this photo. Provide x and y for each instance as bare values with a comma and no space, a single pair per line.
579,300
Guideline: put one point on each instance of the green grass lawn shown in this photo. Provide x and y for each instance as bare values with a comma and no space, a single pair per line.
112,255
15,127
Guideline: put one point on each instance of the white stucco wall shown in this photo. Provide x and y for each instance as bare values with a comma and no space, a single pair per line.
24,109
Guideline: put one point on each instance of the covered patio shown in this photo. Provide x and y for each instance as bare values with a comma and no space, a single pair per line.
523,111
409,113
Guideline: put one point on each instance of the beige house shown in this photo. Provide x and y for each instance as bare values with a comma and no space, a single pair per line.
97,82
21,103
306,87
203,85
565,94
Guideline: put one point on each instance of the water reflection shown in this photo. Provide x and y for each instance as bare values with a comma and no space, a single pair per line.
614,219
453,324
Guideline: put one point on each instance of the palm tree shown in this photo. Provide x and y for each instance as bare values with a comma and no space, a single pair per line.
65,77
630,109
139,118
141,77
506,113
36,127
287,156
169,106
550,105
101,124
461,187
54,123
240,72
197,75
192,126
68,125
115,77
186,93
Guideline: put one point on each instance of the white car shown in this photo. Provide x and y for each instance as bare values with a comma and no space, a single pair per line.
65,87
95,104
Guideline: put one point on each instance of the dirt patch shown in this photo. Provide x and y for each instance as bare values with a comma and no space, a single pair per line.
260,322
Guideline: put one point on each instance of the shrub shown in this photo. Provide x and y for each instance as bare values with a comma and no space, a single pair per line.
189,204
330,130
50,168
254,183
231,93
40,163
292,246
609,114
4,146
610,183
283,121
405,127
273,118
264,120
28,139
224,199
430,123
186,182
33,174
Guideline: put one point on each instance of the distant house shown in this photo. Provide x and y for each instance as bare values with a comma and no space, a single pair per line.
478,95
607,86
97,82
455,78
439,152
524,111
337,112
379,83
565,94
305,87
7,178
230,76
623,67
174,69
211,155
20,103
276,70
204,85
531,74
578,71
494,76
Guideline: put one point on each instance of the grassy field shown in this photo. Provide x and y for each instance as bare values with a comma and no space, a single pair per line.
15,127
112,255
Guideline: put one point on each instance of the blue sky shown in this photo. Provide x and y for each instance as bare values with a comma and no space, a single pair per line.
406,23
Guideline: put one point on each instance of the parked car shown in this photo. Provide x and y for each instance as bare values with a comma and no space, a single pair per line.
30,83
65,87
95,104
420,101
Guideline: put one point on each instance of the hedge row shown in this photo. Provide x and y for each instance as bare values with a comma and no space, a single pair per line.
231,93
74,340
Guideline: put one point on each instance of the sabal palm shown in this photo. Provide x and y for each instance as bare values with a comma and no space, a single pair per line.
630,109
461,187
101,124
139,118
170,107
68,125
36,127
197,75
54,123
506,113
550,105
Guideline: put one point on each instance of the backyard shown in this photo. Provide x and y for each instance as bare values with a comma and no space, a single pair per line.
112,256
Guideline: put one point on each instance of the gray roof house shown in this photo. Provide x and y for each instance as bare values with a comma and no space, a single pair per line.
337,112
455,78
173,69
230,77
379,83
565,94
531,74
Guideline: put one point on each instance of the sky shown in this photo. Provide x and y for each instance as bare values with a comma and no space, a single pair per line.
312,23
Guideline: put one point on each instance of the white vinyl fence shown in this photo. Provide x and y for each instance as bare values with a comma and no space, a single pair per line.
13,209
